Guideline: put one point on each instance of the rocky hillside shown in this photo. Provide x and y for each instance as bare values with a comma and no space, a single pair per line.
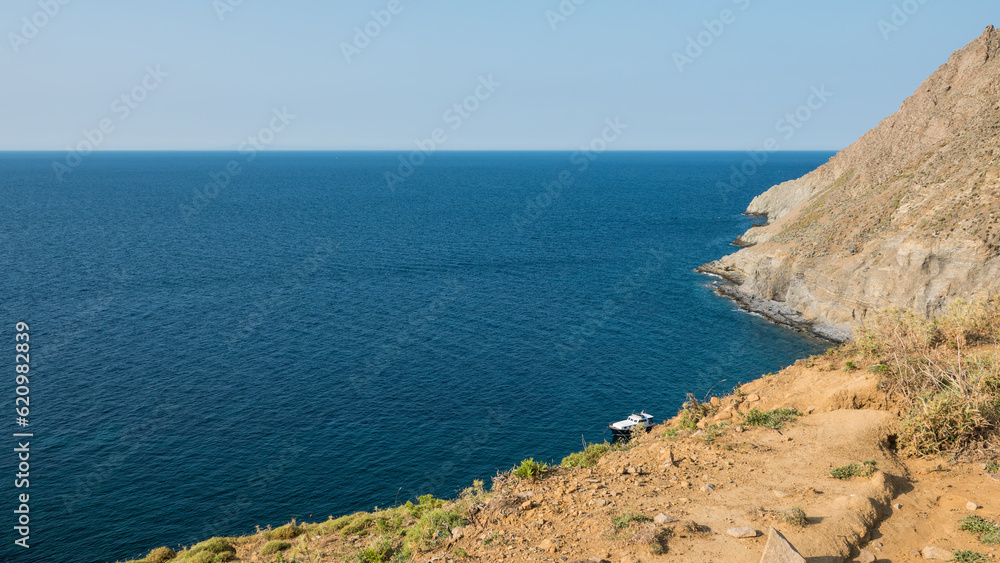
907,216
802,465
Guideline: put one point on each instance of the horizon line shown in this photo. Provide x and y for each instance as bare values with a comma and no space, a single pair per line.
396,151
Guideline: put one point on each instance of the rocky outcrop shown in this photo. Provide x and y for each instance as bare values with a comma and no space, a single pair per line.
907,216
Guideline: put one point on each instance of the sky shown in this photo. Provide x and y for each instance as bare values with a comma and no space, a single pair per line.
466,74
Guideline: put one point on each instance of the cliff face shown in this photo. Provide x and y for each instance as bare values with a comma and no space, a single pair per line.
907,216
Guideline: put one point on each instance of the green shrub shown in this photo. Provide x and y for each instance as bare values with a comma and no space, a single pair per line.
358,524
286,532
586,458
992,537
848,472
433,529
381,550
770,419
214,550
963,556
530,469
474,496
692,412
850,366
275,546
993,467
337,524
160,555
625,520
425,504
976,525
795,517
713,431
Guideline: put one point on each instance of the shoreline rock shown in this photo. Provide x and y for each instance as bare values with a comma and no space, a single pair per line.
904,217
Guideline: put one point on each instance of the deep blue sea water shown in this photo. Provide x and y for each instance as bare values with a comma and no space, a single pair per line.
305,340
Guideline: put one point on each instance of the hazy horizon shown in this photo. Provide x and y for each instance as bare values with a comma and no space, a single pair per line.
389,75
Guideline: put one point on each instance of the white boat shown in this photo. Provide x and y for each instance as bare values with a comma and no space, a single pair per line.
623,428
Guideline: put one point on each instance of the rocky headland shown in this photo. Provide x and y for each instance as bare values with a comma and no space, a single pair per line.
908,216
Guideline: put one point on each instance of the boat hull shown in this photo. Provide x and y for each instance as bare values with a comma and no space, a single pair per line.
623,435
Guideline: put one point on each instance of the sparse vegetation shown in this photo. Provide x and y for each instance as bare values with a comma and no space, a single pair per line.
964,556
588,457
795,517
381,550
771,419
530,470
713,431
432,529
993,467
425,503
623,521
492,538
951,389
848,472
692,412
161,555
987,530
976,525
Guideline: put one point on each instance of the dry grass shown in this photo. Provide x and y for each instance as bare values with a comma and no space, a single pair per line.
945,371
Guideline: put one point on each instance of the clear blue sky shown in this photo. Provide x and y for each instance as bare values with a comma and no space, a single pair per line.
557,86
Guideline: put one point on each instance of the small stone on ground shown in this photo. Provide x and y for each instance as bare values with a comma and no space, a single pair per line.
664,519
931,552
744,532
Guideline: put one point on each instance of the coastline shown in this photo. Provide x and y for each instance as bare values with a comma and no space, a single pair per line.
714,483
774,311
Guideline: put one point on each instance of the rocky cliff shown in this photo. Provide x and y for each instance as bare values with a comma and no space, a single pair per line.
907,216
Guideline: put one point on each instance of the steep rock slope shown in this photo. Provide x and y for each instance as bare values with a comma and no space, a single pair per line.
907,216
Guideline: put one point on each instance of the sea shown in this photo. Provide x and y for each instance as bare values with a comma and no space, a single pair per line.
220,341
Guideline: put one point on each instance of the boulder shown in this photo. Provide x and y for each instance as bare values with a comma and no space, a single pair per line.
778,550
